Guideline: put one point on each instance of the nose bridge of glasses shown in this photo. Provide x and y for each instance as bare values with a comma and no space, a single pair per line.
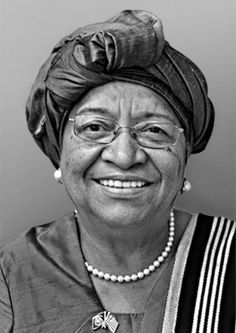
119,129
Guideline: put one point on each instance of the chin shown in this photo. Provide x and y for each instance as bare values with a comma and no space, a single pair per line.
118,216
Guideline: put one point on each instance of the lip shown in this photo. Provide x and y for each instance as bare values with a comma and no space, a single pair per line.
123,192
123,178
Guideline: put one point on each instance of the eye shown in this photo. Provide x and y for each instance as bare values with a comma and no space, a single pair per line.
155,131
93,129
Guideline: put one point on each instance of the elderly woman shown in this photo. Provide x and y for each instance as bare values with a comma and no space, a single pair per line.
118,111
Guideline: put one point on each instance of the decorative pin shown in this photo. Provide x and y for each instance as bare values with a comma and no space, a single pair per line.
103,320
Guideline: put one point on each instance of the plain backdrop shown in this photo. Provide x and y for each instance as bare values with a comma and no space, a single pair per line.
204,30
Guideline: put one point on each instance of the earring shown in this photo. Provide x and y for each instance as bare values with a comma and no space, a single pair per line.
186,186
58,176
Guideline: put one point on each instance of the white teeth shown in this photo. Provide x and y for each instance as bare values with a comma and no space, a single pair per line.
117,183
110,182
121,184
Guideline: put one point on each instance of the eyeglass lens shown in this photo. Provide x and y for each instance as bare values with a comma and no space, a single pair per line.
103,130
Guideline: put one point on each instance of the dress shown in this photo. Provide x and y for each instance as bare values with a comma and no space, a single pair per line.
44,286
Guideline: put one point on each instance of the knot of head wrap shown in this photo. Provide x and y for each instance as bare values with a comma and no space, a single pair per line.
129,47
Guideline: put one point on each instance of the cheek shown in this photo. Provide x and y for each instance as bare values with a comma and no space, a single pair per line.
76,158
170,164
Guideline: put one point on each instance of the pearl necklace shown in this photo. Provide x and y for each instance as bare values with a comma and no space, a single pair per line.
146,271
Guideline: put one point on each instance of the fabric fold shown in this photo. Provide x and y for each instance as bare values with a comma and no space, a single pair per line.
132,41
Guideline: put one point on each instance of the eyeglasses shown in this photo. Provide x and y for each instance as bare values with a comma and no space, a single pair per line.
150,134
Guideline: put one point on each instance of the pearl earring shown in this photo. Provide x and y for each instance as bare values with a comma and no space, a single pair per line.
186,186
58,176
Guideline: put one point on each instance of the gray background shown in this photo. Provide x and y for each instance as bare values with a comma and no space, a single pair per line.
204,30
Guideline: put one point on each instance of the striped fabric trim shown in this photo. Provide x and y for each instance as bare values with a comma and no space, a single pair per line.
177,277
200,297
202,302
223,258
209,294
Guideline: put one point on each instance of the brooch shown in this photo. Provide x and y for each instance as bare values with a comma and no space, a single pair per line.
105,320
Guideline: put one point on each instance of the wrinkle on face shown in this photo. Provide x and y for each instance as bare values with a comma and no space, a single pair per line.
82,161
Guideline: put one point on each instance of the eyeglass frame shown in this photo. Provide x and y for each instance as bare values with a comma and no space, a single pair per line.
134,135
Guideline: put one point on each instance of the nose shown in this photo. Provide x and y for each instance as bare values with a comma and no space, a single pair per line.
124,151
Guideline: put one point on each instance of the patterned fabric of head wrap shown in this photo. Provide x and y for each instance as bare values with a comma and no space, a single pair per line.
129,47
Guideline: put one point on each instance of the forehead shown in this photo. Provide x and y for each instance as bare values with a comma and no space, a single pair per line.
117,99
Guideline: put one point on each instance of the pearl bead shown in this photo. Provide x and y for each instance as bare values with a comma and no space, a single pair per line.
113,278
140,275
160,259
156,263
127,278
187,186
151,268
90,268
165,254
120,278
58,175
134,277
146,271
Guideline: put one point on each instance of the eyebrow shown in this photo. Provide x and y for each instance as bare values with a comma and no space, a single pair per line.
88,110
105,112
155,115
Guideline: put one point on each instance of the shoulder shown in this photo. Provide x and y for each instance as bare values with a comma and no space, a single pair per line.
211,253
206,261
211,266
27,244
204,224
213,218
209,237
218,227
214,234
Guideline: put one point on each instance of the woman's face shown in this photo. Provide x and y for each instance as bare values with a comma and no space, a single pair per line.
91,172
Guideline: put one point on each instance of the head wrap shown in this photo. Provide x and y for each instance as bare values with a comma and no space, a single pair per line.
129,47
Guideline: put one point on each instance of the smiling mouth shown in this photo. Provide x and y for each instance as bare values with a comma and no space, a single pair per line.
122,184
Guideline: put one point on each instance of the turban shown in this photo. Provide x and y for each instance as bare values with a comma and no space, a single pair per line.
129,47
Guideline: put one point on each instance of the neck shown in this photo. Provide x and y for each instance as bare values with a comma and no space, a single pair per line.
123,250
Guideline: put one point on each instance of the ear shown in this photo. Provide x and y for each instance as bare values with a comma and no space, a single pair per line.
188,150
